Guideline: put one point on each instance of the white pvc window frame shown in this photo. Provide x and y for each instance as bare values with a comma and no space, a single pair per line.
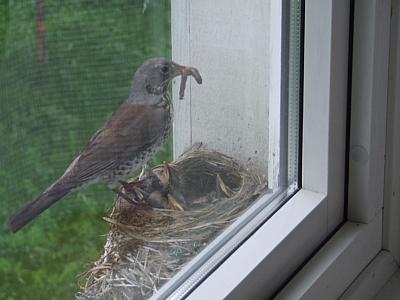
362,255
357,260
272,254
265,261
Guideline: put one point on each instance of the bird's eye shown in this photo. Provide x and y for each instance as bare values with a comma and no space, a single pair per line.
165,69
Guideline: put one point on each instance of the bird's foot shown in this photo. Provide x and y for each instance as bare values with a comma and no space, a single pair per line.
129,186
125,197
133,188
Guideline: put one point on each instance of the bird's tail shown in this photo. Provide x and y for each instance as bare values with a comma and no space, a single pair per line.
32,209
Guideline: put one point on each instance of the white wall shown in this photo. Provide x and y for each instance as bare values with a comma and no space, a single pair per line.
228,41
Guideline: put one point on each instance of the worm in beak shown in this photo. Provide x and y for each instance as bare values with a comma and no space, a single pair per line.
185,72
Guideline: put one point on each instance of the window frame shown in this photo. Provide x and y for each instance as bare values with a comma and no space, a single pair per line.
272,254
355,262
360,247
279,247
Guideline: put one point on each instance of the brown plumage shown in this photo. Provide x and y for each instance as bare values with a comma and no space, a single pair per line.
136,130
126,139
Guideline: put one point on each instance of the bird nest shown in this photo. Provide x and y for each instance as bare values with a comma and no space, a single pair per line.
180,208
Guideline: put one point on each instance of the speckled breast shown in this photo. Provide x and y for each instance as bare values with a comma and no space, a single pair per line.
128,167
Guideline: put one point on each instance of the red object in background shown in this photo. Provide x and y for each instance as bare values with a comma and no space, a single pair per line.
41,41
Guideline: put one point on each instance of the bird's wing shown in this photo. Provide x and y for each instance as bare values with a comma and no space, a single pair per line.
130,130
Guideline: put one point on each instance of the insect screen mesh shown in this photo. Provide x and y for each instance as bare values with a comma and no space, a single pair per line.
65,66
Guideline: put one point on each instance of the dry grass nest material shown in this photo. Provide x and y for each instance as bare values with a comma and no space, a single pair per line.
180,210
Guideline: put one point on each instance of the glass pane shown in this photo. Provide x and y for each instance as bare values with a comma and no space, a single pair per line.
231,162
254,63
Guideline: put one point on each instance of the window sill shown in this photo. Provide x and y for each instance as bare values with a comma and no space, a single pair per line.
337,264
291,233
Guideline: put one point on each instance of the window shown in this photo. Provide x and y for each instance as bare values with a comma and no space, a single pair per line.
274,252
249,108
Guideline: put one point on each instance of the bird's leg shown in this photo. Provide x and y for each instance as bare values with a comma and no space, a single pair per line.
114,187
128,186
124,196
133,188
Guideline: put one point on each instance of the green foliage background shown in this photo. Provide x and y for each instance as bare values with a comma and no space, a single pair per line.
48,112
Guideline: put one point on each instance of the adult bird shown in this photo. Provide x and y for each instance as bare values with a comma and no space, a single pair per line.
135,131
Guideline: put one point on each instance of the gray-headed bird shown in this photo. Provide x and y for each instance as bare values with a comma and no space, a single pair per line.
135,131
